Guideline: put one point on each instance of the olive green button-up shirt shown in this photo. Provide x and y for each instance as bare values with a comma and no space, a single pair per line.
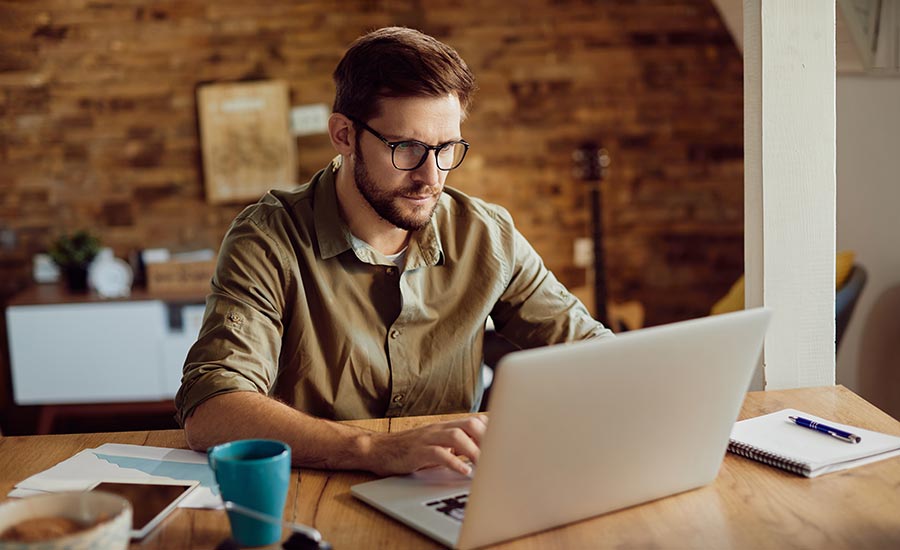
302,311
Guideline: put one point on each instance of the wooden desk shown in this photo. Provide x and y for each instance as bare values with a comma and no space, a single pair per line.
750,505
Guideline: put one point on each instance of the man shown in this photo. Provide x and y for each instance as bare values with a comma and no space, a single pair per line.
365,292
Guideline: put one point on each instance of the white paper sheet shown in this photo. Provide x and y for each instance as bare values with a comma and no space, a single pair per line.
113,461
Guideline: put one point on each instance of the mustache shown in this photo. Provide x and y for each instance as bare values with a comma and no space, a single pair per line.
420,190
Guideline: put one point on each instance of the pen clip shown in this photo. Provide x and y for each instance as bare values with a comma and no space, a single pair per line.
842,438
850,438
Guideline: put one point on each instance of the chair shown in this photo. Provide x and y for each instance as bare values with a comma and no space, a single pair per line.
845,300
495,347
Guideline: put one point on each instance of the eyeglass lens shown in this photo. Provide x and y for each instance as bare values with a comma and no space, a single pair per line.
409,155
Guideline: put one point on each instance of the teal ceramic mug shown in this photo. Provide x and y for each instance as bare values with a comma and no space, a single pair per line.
255,473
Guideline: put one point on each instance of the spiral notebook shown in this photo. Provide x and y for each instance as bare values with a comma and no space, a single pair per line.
775,440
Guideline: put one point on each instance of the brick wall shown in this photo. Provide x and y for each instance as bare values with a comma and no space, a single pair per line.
98,124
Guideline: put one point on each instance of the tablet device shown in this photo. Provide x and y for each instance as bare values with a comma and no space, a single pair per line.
151,500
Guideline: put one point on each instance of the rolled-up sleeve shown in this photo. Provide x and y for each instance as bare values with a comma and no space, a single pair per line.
240,338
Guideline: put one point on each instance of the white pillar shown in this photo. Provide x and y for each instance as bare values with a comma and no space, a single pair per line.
789,185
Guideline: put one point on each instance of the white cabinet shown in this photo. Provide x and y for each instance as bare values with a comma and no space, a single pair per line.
98,351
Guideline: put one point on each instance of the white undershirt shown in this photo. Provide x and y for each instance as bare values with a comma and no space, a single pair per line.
398,259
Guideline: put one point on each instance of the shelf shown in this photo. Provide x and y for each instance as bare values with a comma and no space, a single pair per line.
47,294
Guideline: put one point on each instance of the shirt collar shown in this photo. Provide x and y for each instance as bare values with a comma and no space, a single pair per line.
425,247
334,236
332,233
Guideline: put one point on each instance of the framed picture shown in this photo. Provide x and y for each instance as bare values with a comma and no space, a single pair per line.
246,139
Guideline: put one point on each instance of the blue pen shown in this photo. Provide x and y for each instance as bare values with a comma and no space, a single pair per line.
828,430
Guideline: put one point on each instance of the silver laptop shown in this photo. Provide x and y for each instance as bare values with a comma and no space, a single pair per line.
578,430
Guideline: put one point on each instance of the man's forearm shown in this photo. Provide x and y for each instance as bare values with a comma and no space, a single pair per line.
315,443
319,443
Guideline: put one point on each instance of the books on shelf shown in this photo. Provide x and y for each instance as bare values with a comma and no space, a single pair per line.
775,440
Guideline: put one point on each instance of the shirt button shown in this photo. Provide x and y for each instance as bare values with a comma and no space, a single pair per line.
398,398
395,334
390,270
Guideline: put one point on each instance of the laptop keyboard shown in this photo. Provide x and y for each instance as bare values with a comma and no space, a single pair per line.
453,507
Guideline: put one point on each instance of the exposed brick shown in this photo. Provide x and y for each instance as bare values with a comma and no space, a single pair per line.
51,32
99,123
116,214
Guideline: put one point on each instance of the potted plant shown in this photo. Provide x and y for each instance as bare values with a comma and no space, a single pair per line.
73,253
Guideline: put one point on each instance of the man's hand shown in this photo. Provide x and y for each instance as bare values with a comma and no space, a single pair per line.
439,444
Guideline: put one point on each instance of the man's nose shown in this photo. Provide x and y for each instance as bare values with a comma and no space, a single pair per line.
428,173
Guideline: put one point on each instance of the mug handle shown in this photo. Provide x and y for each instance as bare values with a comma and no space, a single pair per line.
211,459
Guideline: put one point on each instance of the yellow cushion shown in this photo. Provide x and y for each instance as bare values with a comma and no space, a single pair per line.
844,263
734,300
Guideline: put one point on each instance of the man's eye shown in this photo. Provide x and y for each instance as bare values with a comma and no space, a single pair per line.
405,145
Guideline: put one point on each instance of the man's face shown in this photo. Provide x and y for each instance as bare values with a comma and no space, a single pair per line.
406,199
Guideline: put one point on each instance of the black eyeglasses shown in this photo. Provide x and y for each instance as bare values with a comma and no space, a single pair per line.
411,154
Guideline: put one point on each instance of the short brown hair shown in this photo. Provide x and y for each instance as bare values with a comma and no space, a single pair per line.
398,62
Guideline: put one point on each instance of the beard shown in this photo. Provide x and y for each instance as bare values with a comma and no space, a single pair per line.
391,206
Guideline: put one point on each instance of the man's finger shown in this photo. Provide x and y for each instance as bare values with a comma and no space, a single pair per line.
474,426
456,441
453,462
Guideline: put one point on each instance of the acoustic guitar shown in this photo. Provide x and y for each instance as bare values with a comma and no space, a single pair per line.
591,166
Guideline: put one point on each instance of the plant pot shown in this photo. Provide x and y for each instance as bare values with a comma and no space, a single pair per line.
76,278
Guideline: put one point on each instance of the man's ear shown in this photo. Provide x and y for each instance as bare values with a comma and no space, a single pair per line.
342,134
